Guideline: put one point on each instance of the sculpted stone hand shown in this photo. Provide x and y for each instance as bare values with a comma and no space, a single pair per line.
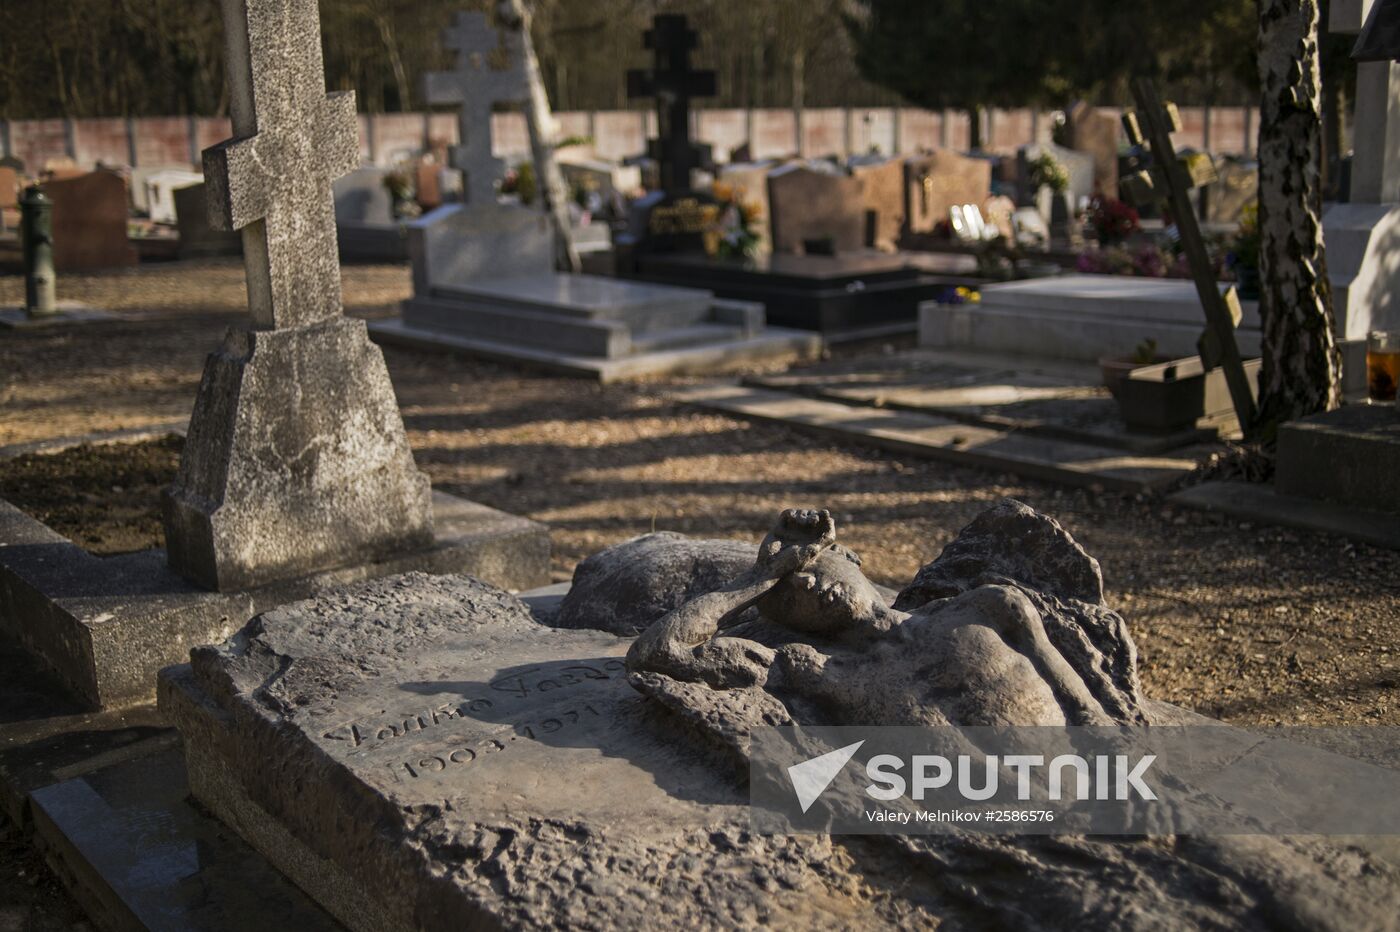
684,645
795,543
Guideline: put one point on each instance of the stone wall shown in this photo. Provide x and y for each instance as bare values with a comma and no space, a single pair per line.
385,137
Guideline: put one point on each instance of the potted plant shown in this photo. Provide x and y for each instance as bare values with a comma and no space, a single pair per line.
733,235
1243,258
1116,369
1050,180
399,184
1113,221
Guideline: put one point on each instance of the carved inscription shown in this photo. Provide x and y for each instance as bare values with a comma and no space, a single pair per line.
473,749
684,216
516,685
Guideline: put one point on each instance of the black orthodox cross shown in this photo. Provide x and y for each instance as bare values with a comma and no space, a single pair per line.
1169,179
673,83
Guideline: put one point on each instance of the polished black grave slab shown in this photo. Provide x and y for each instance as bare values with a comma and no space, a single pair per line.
846,296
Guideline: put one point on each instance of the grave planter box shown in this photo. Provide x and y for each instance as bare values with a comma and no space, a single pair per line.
1176,394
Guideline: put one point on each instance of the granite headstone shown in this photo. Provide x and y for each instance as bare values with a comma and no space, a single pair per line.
90,222
816,210
296,459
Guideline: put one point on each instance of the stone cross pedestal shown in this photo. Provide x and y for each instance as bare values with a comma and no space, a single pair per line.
673,83
296,459
476,86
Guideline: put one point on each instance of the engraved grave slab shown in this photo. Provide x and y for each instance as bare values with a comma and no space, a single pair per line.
420,753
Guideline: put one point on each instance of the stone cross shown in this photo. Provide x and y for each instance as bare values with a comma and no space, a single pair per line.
1380,37
476,86
1375,169
1170,179
273,179
296,461
673,83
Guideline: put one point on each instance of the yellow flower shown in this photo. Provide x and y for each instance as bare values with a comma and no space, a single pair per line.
975,297
723,191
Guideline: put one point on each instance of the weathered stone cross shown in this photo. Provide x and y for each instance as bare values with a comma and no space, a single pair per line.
477,87
673,83
273,179
1170,180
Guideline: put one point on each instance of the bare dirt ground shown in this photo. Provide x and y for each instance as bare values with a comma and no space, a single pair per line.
1248,623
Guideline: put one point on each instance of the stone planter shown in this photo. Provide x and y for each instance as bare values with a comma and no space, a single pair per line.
1174,395
1116,369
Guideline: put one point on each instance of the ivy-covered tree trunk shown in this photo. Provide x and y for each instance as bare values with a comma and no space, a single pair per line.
1301,371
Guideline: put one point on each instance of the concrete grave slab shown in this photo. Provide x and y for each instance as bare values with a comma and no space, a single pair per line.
1080,317
1022,394
1050,459
105,626
1350,457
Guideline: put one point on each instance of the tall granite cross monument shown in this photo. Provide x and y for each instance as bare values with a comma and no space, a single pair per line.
673,83
296,459
476,86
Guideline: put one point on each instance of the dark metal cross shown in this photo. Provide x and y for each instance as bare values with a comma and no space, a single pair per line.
1170,179
477,85
673,83
273,179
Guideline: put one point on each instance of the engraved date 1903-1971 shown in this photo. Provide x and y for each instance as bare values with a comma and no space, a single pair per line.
470,751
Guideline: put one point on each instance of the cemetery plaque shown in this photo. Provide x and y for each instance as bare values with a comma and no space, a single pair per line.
1169,179
480,82
882,184
936,182
90,222
9,194
674,84
811,206
296,459
1097,134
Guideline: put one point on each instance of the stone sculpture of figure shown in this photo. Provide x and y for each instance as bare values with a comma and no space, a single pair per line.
1007,627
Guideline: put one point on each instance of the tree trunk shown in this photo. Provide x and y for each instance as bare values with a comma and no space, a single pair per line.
383,19
540,122
1301,372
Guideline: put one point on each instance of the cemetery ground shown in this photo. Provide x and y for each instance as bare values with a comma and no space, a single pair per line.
1249,623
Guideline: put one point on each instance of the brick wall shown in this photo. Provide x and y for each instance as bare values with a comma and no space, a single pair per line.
162,141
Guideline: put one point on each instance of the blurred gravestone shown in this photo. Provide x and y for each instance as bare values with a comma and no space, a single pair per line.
90,222
816,211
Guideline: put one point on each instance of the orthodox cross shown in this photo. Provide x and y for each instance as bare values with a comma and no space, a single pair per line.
1169,180
273,180
673,83
479,83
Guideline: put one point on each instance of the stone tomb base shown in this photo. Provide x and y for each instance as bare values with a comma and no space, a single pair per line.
420,753
846,297
598,327
1337,472
1080,317
105,626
